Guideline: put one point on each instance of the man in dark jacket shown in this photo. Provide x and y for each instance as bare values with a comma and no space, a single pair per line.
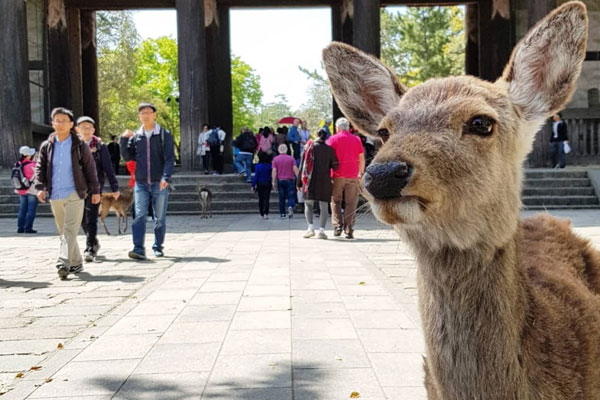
86,127
246,143
151,147
66,173
557,142
115,153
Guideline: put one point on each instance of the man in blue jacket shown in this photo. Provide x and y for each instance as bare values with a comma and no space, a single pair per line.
86,127
294,138
151,147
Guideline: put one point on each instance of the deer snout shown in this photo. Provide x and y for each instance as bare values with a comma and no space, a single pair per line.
386,181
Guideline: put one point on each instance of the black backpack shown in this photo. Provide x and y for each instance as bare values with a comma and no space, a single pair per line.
213,138
18,179
248,143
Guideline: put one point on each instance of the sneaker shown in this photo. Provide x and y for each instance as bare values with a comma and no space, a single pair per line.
290,212
136,256
30,231
266,216
350,235
63,271
322,235
158,253
88,256
337,232
309,234
76,269
283,216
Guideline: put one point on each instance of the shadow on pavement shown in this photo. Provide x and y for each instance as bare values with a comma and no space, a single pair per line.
85,276
199,259
23,284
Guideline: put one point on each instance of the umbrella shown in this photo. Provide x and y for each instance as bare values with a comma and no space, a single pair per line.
288,120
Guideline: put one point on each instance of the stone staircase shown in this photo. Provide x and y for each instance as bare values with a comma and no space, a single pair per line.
543,189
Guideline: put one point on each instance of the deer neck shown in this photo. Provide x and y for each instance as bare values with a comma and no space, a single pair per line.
473,307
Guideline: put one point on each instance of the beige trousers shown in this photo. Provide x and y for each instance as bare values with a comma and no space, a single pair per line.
346,189
67,217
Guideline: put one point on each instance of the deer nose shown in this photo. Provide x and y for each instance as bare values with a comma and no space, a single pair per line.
386,181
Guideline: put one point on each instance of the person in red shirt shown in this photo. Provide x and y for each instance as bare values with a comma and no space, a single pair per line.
346,186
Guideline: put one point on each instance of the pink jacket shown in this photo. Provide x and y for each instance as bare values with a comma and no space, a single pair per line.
29,171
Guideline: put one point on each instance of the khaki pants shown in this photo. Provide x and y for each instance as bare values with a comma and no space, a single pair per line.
346,189
67,217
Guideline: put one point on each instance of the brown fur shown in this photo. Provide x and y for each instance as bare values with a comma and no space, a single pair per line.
510,308
120,206
205,200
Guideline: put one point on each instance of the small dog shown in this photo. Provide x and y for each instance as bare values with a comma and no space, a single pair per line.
120,206
205,197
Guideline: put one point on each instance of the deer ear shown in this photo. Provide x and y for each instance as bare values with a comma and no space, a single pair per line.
364,88
544,67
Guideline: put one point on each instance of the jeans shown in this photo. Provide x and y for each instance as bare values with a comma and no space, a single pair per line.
557,154
286,190
90,224
297,155
145,193
243,162
27,207
264,194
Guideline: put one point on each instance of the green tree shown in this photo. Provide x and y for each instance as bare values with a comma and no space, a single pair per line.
271,112
246,95
319,103
423,42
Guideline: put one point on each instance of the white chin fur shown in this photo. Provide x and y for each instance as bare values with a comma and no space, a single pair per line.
397,213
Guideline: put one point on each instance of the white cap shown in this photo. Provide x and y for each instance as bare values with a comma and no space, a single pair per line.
26,151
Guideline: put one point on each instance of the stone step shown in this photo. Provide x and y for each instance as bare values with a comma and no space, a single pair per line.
558,191
560,201
553,173
558,182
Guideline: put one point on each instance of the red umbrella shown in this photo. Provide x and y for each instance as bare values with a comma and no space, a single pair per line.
288,120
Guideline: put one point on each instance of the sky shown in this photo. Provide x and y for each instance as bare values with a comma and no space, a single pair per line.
274,42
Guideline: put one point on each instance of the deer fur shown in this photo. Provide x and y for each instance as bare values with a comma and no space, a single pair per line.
510,308
120,206
205,200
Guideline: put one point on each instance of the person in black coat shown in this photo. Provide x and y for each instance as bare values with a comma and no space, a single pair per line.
314,178
115,153
557,142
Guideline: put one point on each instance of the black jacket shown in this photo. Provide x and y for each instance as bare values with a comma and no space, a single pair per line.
103,164
161,152
562,133
320,185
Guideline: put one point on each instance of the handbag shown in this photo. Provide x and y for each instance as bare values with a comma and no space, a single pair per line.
300,195
566,147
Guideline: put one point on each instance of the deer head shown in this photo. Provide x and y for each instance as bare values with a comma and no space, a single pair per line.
450,169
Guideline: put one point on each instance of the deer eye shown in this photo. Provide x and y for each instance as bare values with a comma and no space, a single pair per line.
383,134
480,125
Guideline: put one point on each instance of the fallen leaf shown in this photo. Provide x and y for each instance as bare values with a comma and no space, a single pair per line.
60,346
338,358
48,380
354,395
360,283
19,375
35,368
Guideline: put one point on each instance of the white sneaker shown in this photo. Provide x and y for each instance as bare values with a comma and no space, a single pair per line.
322,235
309,234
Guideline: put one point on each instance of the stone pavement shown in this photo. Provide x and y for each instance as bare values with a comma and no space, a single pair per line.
240,308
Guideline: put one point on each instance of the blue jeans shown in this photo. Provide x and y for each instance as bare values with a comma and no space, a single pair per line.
286,190
243,162
145,193
27,207
557,154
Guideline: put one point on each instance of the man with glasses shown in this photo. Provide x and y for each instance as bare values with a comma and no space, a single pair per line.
151,147
66,174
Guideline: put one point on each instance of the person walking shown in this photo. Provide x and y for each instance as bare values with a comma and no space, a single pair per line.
558,141
86,127
265,141
27,196
293,137
304,137
152,148
203,148
261,182
215,141
346,186
115,153
314,178
66,173
283,177
246,143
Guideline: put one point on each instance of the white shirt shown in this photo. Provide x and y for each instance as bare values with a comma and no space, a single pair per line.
555,128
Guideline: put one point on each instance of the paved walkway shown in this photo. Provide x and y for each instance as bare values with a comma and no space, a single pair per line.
240,308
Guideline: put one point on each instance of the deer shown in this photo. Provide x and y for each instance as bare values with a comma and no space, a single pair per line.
120,206
510,307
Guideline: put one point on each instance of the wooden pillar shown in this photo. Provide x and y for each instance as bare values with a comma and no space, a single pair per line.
472,36
193,94
341,31
218,58
74,35
366,28
15,107
494,42
89,67
59,80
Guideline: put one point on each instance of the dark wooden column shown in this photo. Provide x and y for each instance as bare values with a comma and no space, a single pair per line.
15,107
89,67
193,110
494,42
366,29
341,31
472,36
218,58
74,35
59,80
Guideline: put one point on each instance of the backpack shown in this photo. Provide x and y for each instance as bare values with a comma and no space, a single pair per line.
248,143
213,138
18,179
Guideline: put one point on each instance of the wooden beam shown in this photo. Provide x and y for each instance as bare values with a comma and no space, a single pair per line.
74,34
218,56
193,97
366,27
494,42
89,67
59,79
119,4
472,38
15,107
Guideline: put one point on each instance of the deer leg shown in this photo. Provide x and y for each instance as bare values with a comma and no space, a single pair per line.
102,216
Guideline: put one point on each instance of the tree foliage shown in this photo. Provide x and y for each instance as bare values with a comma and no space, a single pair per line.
423,42
246,94
272,112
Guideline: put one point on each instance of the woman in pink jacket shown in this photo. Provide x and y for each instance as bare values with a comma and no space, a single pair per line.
27,197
